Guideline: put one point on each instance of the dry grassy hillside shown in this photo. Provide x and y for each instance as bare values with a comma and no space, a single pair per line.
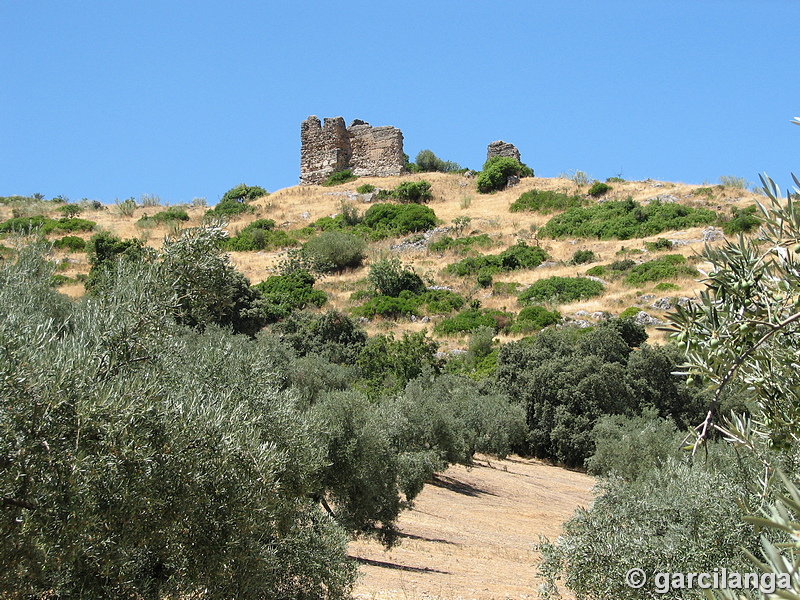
453,196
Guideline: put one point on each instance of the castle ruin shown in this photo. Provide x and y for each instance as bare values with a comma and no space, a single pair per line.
330,146
501,148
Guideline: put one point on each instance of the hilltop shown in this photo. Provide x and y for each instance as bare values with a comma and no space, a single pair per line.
462,212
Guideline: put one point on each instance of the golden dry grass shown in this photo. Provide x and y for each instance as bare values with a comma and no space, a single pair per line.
453,196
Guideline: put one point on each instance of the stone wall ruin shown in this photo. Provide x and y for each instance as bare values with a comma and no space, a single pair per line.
330,146
501,148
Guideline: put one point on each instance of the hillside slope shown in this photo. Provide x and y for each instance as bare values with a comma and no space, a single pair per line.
454,197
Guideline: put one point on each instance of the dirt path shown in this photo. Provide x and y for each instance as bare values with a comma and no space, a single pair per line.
471,532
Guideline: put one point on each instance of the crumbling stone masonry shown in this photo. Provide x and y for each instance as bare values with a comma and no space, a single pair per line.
501,148
330,146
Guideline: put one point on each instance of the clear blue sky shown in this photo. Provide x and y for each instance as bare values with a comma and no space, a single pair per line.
113,99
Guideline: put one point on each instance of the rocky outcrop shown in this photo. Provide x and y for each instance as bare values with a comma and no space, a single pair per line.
330,146
501,148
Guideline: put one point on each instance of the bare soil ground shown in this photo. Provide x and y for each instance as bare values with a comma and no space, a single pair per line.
471,532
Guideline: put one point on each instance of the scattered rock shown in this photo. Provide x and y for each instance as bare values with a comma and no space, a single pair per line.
425,319
684,301
511,181
305,216
663,303
581,313
600,315
593,278
642,318
664,198
645,298
712,234
547,263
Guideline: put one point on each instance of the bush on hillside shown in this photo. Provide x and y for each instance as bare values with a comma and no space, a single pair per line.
535,318
243,193
599,189
70,242
230,208
389,278
496,172
518,256
561,290
415,192
625,219
545,202
399,219
335,251
462,244
259,235
46,225
427,161
340,177
283,294
742,220
472,318
669,266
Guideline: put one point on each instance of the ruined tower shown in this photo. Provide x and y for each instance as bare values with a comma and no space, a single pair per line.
329,147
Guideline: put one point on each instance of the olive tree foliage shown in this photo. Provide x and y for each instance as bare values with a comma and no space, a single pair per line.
745,335
143,460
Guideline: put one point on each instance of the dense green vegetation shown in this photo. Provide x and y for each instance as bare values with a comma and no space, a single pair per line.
519,256
625,219
259,235
165,216
46,225
546,202
339,177
560,290
427,162
461,244
669,266
416,192
397,219
496,172
163,454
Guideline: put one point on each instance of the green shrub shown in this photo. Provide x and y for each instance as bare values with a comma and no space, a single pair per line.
339,177
665,267
70,210
427,161
743,220
440,302
625,219
545,202
599,189
496,172
259,235
736,183
665,286
615,180
335,251
367,188
704,191
388,307
398,220
581,257
653,523
46,225
284,293
629,312
472,318
230,208
331,335
659,244
519,256
461,244
70,242
596,271
625,264
389,278
484,278
534,318
243,193
561,290
415,192
163,217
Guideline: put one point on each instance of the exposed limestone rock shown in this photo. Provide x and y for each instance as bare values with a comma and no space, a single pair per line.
329,147
501,148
